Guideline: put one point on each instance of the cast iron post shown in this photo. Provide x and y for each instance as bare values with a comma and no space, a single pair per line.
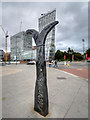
41,92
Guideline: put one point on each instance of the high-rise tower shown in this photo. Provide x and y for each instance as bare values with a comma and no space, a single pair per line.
44,20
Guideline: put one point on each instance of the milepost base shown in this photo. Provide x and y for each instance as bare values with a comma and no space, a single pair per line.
41,112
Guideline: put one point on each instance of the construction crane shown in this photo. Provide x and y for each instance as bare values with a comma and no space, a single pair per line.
6,35
20,25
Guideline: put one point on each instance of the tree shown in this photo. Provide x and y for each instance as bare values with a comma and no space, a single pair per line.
58,55
88,52
78,56
70,52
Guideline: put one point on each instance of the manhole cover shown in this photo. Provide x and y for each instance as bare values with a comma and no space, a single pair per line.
62,78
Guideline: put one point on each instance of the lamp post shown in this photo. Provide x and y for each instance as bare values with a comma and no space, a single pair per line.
83,47
6,35
16,50
16,47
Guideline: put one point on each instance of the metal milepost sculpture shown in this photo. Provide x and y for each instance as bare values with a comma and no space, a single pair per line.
41,92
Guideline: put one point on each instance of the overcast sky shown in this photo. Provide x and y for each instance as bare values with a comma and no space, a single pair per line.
72,17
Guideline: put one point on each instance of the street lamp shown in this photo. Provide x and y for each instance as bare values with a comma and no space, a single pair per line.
6,35
16,50
83,47
16,47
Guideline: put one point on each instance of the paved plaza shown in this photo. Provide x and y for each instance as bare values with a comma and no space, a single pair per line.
68,94
79,69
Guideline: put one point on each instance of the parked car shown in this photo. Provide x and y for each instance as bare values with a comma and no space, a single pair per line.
8,63
31,63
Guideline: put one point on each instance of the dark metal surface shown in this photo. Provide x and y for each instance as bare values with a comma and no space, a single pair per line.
61,78
41,92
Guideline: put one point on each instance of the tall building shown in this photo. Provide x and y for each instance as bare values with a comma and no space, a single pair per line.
44,20
2,55
21,46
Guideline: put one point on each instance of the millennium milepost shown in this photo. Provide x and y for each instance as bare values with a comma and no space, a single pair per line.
41,91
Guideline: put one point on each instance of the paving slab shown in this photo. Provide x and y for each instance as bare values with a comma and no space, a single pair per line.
68,95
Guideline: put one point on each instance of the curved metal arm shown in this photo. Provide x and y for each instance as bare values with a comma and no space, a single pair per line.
41,37
47,29
34,33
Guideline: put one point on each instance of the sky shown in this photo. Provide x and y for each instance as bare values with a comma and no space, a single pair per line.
72,17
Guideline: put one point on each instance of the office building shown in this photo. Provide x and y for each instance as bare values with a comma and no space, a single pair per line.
44,20
2,55
21,46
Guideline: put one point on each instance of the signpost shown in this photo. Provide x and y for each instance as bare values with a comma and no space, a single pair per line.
41,92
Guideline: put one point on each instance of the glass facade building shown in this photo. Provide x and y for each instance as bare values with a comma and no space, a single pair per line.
21,46
44,20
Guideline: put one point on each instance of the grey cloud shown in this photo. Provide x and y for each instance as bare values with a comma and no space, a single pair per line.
72,27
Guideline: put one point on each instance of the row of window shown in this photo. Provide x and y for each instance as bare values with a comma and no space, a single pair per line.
48,16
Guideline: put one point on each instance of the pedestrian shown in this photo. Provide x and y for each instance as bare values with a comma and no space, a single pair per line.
50,63
55,64
68,64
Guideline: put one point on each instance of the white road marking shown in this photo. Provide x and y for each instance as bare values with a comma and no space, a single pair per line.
69,73
73,75
79,69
